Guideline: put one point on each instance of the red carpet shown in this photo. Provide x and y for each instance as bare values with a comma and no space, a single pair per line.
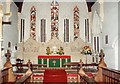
55,76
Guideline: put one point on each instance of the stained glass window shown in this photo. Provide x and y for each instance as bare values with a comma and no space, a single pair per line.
33,22
76,22
54,19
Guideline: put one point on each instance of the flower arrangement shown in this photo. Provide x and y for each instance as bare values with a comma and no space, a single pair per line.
60,51
86,50
48,51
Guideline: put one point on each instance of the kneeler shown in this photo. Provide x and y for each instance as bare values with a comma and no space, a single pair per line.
55,76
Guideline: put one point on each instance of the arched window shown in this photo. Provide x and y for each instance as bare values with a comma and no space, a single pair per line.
76,22
43,30
22,30
87,30
54,19
33,22
9,44
66,30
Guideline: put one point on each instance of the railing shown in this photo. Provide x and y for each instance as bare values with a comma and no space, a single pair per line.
4,75
33,66
110,76
84,79
25,79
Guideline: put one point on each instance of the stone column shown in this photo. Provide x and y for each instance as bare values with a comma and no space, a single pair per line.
1,39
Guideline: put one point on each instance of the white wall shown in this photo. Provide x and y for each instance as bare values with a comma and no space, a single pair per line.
110,28
10,32
119,35
43,11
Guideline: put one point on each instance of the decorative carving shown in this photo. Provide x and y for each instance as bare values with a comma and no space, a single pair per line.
77,45
99,76
31,46
11,77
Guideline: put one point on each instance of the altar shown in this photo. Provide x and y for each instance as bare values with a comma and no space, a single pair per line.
53,61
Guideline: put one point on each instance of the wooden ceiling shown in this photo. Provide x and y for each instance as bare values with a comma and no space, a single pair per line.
89,4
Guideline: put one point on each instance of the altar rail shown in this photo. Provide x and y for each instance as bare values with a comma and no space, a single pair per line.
34,66
111,75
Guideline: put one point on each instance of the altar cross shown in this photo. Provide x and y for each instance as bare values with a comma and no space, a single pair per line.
54,62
